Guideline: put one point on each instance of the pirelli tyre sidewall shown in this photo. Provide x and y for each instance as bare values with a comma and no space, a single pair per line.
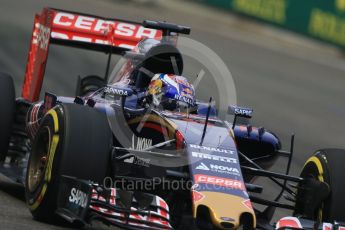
77,141
328,166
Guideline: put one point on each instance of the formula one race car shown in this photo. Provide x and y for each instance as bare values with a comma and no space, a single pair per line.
141,152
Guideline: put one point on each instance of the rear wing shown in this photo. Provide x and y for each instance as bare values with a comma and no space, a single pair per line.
73,29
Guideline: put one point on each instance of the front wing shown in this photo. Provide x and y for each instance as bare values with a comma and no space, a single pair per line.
82,201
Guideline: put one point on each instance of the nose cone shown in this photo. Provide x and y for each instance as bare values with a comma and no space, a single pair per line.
225,211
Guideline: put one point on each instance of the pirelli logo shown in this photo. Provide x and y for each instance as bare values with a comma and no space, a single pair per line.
214,157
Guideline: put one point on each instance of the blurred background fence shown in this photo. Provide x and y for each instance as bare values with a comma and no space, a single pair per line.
320,19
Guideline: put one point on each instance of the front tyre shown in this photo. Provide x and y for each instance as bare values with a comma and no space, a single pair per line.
72,140
326,166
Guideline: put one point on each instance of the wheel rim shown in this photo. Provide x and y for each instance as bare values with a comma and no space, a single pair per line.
38,159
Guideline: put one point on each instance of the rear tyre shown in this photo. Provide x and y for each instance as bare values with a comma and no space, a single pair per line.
326,165
72,140
7,105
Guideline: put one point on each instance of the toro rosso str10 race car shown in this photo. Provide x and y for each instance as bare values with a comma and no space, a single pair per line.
113,152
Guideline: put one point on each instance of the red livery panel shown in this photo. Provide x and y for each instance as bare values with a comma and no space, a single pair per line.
54,26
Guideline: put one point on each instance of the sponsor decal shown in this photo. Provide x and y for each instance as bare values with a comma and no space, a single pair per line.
214,157
89,29
240,111
78,197
116,91
219,181
244,112
187,100
141,143
202,166
212,149
218,169
197,196
95,25
138,161
224,169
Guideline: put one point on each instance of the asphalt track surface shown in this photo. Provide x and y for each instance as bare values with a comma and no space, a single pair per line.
291,89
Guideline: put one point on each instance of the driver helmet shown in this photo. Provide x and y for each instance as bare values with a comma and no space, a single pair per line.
171,92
